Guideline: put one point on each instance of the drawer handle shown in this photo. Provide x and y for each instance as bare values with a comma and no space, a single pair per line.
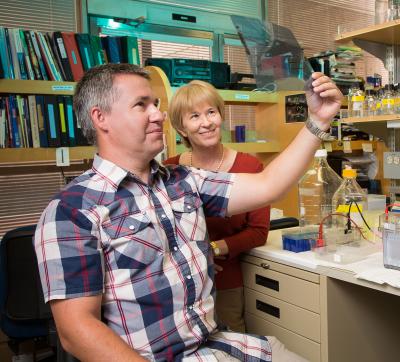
267,282
265,266
268,308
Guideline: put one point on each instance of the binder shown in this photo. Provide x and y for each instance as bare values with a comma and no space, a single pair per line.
85,50
74,58
40,114
112,46
97,50
56,56
62,122
62,54
52,121
130,50
70,120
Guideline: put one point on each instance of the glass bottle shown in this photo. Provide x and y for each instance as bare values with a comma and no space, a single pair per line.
388,100
349,200
369,103
355,101
316,189
381,11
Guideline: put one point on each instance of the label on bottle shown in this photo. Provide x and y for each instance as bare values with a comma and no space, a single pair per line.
357,98
387,102
378,105
357,106
344,209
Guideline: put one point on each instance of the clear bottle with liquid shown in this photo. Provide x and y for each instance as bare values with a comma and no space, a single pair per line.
349,200
355,102
388,100
369,103
316,189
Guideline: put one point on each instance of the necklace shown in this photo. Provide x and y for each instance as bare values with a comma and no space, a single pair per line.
219,164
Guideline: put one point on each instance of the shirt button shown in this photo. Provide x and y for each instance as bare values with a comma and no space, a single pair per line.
163,216
190,307
189,277
175,248
131,227
189,207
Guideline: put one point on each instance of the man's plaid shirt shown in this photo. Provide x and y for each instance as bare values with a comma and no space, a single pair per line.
145,248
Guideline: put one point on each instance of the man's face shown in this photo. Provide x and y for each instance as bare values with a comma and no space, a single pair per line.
135,124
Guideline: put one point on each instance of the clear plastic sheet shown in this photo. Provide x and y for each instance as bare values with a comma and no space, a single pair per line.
275,56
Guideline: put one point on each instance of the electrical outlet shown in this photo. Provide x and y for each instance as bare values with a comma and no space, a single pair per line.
391,165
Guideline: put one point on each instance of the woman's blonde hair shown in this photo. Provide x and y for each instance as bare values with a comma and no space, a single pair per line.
187,97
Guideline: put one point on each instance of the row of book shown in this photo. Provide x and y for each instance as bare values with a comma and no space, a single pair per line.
60,56
38,121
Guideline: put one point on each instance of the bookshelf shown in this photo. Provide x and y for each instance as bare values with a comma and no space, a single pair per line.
26,155
36,87
387,33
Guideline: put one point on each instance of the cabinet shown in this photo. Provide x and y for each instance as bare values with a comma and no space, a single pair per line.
26,155
284,302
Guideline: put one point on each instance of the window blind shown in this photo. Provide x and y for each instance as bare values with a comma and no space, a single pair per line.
24,195
40,15
315,25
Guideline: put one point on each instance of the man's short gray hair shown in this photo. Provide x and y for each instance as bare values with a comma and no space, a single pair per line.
96,89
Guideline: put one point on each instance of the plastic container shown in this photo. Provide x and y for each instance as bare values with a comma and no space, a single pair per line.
316,189
349,200
390,227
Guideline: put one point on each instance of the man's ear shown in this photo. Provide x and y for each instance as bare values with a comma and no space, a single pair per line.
98,118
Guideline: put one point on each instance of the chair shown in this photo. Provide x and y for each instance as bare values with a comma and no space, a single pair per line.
23,312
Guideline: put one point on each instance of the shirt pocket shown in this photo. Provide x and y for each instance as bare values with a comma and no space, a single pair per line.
189,217
131,241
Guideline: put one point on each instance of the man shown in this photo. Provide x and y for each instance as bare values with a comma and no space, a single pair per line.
128,236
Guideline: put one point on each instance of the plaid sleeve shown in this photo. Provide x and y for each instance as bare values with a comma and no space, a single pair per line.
69,258
214,189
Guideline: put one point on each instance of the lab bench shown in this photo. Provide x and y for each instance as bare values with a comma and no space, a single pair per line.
322,311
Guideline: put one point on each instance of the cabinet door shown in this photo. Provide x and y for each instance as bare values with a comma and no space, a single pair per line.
294,342
287,315
279,285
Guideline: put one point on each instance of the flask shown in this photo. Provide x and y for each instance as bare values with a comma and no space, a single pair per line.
316,189
349,200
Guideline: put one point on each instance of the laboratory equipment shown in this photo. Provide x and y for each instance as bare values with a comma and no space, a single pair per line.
390,226
316,189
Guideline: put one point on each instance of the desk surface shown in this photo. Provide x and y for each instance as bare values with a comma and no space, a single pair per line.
368,272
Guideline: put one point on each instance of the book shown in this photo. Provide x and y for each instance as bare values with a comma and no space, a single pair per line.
112,46
4,59
13,116
40,114
56,57
51,120
85,50
99,56
48,58
28,63
130,50
36,48
74,58
32,56
62,54
34,121
15,61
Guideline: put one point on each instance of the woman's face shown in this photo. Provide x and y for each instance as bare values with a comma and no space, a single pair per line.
202,125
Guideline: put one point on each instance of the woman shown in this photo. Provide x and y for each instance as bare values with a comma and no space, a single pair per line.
196,112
